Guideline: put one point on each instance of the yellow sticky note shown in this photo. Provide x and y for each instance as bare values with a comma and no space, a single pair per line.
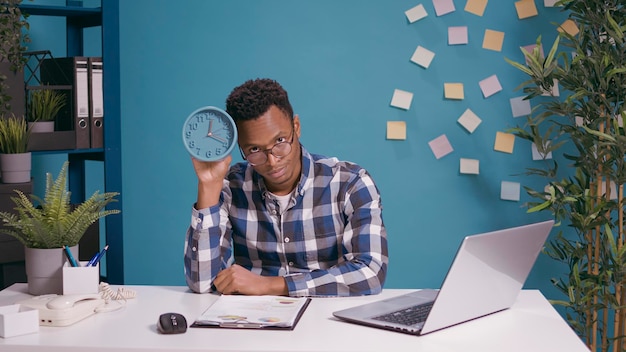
453,90
525,9
504,142
396,130
493,40
570,27
477,7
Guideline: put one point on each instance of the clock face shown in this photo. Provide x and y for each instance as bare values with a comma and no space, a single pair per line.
209,134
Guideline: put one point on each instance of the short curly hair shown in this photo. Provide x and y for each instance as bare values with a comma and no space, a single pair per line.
254,97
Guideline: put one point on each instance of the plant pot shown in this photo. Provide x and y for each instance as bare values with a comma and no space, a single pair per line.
41,126
15,168
44,269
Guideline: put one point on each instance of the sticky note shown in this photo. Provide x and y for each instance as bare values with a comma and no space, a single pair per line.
490,86
509,190
469,120
477,7
504,142
416,13
401,99
549,3
443,7
569,26
538,155
440,146
554,91
613,189
453,90
520,107
469,166
422,56
531,47
526,9
493,40
580,121
396,130
457,35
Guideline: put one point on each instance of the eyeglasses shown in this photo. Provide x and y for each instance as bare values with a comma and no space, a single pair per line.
279,150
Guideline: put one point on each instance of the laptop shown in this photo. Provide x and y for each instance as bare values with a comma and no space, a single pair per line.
486,276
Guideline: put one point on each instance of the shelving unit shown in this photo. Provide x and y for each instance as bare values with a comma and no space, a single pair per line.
77,19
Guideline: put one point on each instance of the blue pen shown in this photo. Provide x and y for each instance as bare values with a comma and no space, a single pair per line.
69,256
96,258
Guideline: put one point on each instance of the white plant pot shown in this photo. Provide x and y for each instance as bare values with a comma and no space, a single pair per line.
41,126
15,168
44,269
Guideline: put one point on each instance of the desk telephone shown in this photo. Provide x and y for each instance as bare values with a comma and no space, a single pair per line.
64,310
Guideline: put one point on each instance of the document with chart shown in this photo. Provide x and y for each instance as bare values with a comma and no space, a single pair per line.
253,312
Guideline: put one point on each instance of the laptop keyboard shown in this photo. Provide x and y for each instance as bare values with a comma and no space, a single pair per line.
407,316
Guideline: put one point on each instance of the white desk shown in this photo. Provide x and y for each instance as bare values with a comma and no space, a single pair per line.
531,324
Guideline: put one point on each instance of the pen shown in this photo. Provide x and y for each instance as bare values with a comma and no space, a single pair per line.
69,256
96,258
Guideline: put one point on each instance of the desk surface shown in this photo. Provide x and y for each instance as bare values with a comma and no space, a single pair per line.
531,324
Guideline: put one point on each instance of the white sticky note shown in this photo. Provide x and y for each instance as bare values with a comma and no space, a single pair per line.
440,146
469,166
422,56
443,7
549,3
457,35
537,155
469,120
490,86
509,190
579,121
401,99
520,107
416,13
613,190
555,89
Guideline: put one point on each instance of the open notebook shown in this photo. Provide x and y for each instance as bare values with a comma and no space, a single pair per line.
486,276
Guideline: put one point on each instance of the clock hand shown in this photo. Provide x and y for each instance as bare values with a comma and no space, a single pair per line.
210,132
218,138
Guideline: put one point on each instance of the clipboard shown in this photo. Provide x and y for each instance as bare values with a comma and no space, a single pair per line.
253,312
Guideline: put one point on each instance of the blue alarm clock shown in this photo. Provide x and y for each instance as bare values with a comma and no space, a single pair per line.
209,134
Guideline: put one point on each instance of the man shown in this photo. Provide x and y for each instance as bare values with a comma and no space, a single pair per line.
283,222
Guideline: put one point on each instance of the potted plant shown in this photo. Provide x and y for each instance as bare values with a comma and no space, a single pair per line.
12,61
42,107
46,225
583,129
15,159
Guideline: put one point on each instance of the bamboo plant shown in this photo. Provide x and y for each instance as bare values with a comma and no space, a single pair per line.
583,129
12,45
53,222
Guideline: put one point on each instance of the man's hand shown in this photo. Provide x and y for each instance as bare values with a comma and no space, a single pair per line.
210,178
238,280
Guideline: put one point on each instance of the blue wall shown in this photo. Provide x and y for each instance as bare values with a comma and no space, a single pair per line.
340,61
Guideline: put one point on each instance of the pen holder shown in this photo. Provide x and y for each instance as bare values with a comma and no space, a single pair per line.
81,279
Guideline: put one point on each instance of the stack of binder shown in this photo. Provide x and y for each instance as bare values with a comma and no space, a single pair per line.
84,116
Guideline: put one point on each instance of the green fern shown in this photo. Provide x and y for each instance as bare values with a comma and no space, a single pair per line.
54,222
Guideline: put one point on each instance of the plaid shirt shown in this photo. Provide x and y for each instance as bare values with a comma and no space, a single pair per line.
330,241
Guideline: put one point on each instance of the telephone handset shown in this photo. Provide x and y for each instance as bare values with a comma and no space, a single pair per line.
64,310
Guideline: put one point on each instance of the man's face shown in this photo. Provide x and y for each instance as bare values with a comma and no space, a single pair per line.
281,174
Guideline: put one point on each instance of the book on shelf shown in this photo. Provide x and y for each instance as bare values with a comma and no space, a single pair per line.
253,312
